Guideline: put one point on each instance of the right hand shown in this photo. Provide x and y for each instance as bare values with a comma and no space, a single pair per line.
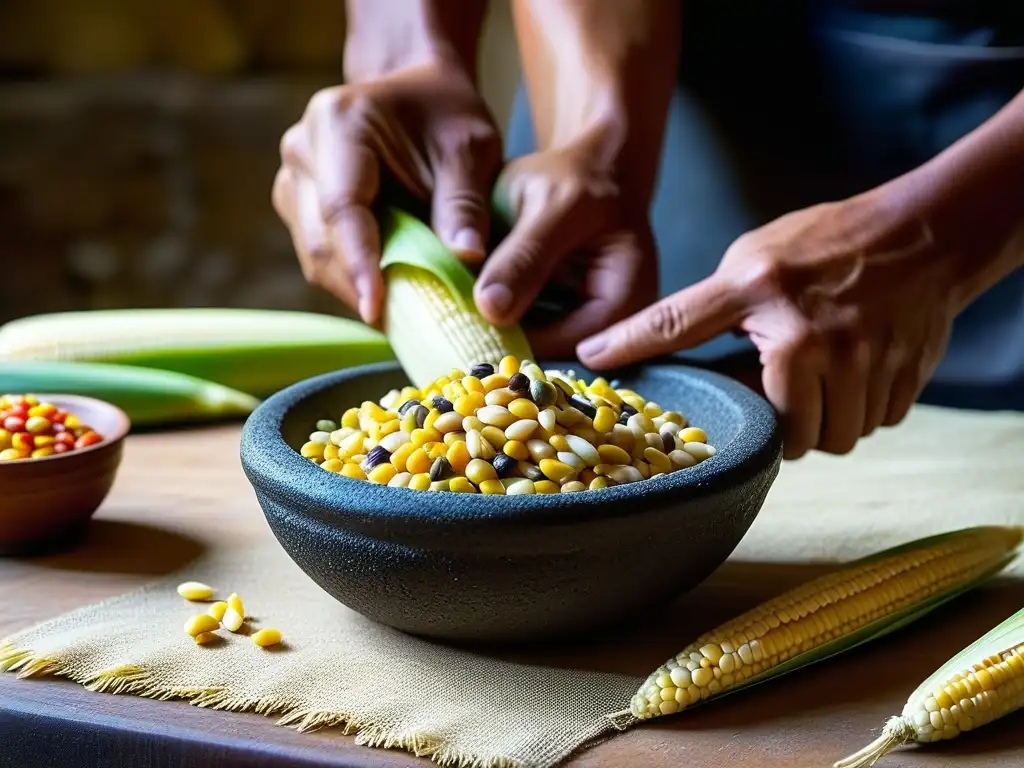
429,129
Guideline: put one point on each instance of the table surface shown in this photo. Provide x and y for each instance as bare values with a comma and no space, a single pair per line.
180,492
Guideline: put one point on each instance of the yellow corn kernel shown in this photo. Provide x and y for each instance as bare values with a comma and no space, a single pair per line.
658,460
559,443
458,456
389,427
420,482
266,637
612,454
587,476
330,452
432,416
352,445
310,450
456,375
494,436
605,419
205,638
693,435
508,366
461,485
353,470
382,474
516,449
351,418
333,465
555,470
523,408
652,410
375,412
598,483
643,468
201,622
417,462
233,619
454,437
478,471
473,384
468,403
546,486
494,381
634,400
436,450
218,609
421,437
401,456
492,488
195,590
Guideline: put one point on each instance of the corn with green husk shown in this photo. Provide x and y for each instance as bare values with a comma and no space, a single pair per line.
430,316
982,683
254,351
149,397
826,616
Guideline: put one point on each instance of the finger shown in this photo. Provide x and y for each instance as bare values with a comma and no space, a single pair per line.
793,385
881,378
685,319
905,390
347,176
462,185
544,233
321,264
612,281
845,399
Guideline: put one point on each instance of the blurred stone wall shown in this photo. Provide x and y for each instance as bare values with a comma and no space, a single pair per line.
139,174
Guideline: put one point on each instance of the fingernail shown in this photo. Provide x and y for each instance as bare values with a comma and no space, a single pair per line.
364,289
497,297
467,241
592,347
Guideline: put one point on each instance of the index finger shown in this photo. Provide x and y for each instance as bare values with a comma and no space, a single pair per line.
347,175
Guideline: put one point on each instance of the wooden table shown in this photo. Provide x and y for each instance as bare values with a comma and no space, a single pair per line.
178,493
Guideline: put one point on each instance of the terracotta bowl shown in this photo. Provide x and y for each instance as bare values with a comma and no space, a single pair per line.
501,568
46,503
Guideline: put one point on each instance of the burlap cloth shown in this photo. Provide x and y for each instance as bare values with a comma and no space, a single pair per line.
473,709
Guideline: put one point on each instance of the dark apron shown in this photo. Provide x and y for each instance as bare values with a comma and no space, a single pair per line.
779,108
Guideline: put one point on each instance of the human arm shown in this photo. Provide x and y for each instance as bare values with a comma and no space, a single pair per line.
409,109
850,303
599,75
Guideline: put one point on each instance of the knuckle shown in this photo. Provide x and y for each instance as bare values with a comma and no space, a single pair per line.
281,191
291,147
668,321
336,207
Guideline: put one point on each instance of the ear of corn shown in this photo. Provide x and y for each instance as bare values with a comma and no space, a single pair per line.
980,684
149,397
826,616
430,317
255,351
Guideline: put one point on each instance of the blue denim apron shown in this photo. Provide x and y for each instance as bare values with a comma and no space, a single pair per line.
783,105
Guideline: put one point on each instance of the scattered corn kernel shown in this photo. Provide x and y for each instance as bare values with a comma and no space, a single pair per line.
232,620
266,637
204,638
201,622
235,604
195,590
218,609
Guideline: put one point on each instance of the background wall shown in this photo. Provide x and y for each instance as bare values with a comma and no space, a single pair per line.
139,141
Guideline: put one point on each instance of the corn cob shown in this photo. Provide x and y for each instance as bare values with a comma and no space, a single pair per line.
149,397
826,616
980,684
430,317
255,351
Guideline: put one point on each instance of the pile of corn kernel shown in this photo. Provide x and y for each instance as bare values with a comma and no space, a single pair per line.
30,429
508,430
228,614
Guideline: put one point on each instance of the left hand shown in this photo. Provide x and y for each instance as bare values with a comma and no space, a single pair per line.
850,305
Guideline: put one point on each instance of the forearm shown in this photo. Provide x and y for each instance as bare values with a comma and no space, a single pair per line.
972,198
602,69
385,35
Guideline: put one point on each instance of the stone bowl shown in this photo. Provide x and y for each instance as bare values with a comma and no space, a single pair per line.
469,567
46,503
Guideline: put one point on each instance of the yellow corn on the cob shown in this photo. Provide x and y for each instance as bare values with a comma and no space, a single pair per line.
980,684
826,616
430,317
251,350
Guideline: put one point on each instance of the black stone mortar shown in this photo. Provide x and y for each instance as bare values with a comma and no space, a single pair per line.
470,567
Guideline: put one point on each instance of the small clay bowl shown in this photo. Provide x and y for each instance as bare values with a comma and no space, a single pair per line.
46,503
470,567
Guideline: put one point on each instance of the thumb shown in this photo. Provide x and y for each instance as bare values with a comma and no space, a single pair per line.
461,217
685,319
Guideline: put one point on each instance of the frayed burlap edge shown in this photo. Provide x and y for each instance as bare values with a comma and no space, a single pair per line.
134,680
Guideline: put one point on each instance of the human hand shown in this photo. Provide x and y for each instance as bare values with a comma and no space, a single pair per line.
574,226
429,129
849,304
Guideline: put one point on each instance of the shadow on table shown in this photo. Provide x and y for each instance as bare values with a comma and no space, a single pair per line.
109,546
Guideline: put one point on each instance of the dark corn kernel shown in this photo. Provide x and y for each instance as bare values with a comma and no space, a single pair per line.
563,385
481,370
627,411
440,469
519,382
583,405
531,471
442,404
669,442
377,455
406,406
421,414
542,393
504,464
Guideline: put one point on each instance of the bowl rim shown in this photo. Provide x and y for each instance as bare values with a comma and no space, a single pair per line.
124,425
266,458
